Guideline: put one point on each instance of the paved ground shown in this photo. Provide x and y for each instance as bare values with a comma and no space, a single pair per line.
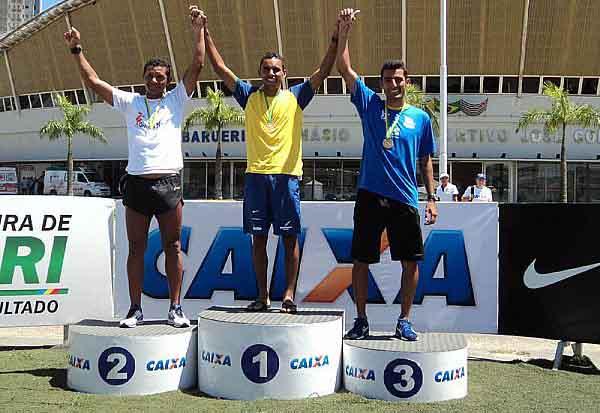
481,346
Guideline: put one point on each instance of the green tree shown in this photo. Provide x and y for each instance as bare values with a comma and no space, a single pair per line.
216,116
415,97
562,113
73,123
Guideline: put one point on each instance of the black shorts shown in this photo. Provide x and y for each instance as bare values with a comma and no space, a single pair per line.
372,214
152,196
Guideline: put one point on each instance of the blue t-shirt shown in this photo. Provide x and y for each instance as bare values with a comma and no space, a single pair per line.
391,172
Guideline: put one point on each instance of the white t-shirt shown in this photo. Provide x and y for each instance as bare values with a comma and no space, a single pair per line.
446,194
154,139
483,194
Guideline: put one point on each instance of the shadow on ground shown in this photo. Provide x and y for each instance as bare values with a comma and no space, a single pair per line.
569,363
58,377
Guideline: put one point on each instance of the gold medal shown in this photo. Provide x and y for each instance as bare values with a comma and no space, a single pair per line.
270,125
388,143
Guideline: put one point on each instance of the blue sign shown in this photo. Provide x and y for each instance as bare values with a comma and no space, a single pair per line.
116,366
403,378
260,363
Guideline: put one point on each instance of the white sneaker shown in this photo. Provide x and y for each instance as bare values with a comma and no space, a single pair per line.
176,318
134,317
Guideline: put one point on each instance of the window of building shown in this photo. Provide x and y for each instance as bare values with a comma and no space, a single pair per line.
587,182
204,88
432,84
327,185
531,85
373,83
293,81
71,96
9,104
223,88
491,84
351,172
454,84
125,88
572,85
140,89
36,101
471,84
24,102
554,80
589,86
81,97
540,182
510,84
417,81
194,180
308,177
47,100
1,105
334,86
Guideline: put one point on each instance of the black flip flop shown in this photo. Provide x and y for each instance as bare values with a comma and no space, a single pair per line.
258,306
289,306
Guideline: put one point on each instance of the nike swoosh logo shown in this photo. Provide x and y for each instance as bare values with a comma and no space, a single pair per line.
533,279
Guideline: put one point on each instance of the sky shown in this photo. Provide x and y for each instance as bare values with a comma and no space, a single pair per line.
49,3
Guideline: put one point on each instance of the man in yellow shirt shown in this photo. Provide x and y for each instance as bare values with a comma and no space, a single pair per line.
274,150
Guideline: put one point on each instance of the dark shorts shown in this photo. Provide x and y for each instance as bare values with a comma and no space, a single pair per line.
272,199
372,214
152,196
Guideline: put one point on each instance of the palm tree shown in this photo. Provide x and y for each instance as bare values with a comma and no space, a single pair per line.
72,123
562,113
416,97
215,117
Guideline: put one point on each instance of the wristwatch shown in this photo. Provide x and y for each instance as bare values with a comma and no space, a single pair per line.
431,197
77,49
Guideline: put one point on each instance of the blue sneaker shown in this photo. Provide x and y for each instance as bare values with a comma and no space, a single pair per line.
404,330
359,331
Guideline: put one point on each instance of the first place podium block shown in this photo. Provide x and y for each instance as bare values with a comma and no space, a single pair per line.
249,356
148,359
429,370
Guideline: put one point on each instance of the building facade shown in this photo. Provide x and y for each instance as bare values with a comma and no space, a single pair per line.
14,13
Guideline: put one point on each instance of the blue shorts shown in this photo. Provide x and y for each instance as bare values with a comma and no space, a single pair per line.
271,199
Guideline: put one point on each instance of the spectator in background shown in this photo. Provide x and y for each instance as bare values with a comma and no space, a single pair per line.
478,192
446,192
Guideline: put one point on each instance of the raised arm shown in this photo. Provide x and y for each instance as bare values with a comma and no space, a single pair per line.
88,74
347,17
226,75
198,20
317,78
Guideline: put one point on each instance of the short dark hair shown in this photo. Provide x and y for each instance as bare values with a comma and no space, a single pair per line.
271,55
393,65
157,61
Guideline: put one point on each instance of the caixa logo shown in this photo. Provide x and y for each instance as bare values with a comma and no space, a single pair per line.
79,362
215,358
309,362
455,285
359,373
166,364
449,375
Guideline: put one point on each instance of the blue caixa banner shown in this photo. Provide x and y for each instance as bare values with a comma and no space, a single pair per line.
458,279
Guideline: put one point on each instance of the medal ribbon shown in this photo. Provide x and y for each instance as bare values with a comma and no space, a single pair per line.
151,119
390,129
271,108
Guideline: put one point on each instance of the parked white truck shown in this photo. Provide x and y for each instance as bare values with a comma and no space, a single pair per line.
85,183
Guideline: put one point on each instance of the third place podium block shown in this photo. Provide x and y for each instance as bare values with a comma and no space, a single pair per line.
272,355
429,370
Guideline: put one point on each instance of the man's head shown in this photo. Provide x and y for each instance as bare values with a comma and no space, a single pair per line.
157,75
444,178
393,79
272,70
480,179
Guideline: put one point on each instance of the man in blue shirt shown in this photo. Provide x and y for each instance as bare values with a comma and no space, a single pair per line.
395,136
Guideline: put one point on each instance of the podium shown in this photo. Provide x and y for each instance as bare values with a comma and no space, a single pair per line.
273,355
148,359
429,370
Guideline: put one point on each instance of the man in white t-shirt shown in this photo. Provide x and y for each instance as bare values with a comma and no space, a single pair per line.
446,192
153,184
478,192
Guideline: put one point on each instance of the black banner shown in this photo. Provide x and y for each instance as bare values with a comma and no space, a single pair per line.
558,297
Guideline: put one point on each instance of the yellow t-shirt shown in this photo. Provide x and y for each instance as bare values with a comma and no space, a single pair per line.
274,127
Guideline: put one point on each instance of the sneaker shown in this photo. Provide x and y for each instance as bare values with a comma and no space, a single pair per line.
134,317
176,318
404,330
359,331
